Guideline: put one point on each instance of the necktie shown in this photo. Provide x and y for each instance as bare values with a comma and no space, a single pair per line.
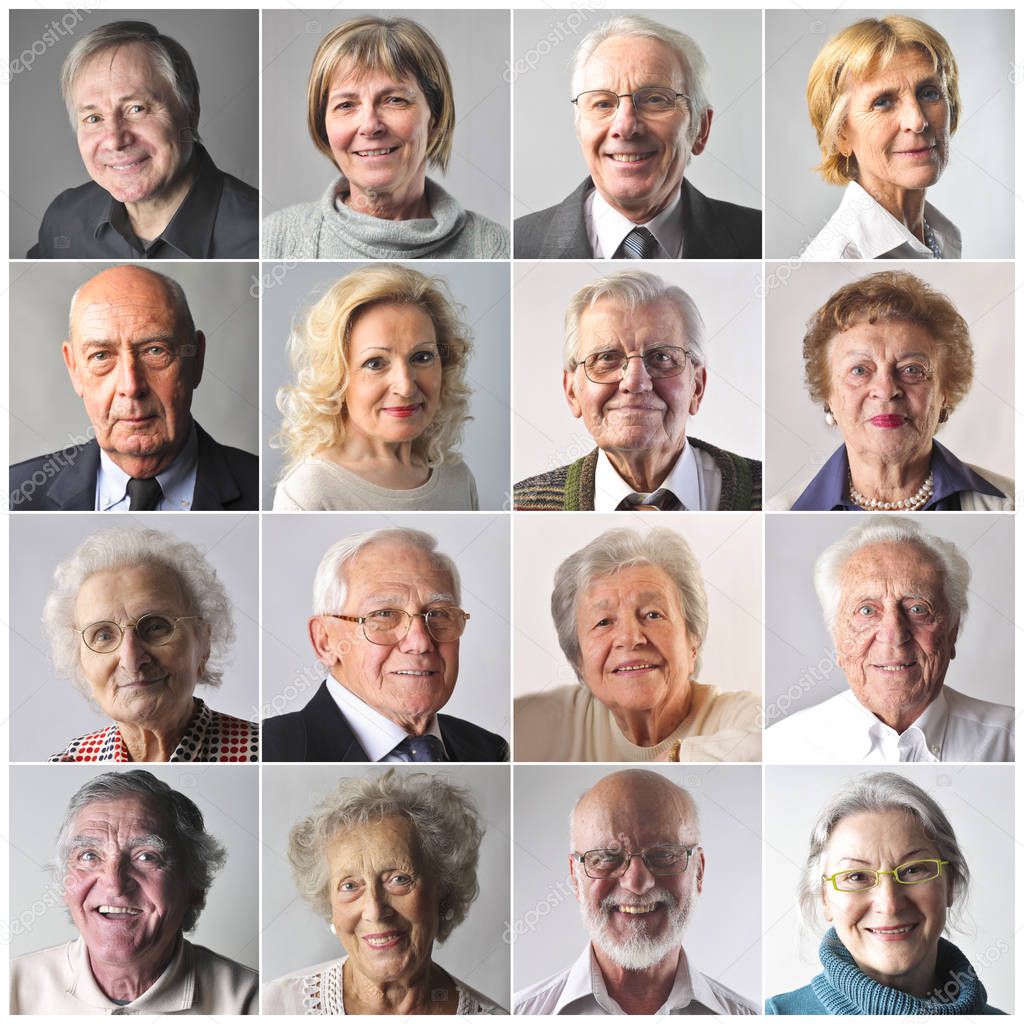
420,748
662,500
639,244
145,494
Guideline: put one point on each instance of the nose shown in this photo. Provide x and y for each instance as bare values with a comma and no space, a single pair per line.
117,132
635,377
131,376
892,628
885,384
629,633
887,897
370,122
117,874
625,121
132,653
418,640
912,115
637,879
375,905
401,378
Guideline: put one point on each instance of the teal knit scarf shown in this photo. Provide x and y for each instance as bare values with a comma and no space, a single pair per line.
844,988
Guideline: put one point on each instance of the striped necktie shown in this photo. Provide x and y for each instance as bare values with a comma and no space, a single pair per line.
662,500
639,244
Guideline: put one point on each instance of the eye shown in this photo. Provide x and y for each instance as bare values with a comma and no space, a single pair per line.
881,102
932,94
859,372
653,615
375,363
384,615
399,882
99,356
426,357
136,108
149,857
344,105
865,610
88,856
603,623
914,372
397,101
919,608
439,614
91,119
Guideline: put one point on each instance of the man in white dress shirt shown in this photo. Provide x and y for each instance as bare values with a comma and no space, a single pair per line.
894,598
637,870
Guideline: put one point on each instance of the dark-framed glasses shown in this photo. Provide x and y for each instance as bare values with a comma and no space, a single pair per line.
608,365
153,629
653,101
387,626
659,860
914,872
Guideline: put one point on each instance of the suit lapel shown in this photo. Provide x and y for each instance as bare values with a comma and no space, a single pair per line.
328,735
216,486
568,231
74,488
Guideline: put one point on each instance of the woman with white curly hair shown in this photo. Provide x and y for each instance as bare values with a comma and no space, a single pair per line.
136,620
390,861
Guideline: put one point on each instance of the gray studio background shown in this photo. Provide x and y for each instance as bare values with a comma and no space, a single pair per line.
226,401
224,47
47,711
980,431
228,796
475,45
728,547
799,650
294,937
548,161
482,288
294,543
724,936
979,802
546,432
976,191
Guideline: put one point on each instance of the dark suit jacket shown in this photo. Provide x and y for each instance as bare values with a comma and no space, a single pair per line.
226,478
320,732
712,229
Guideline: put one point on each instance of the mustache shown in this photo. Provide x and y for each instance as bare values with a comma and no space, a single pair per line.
656,895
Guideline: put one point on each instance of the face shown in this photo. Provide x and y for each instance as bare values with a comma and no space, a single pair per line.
636,651
886,389
892,931
894,634
134,140
384,903
394,388
637,163
139,684
412,680
636,414
897,126
638,919
133,369
379,129
125,888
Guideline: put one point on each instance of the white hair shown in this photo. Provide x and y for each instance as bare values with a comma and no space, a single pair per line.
876,529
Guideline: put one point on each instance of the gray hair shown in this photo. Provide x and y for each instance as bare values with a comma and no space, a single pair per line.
167,57
125,548
876,529
443,817
688,53
873,794
330,587
632,288
184,324
622,549
197,854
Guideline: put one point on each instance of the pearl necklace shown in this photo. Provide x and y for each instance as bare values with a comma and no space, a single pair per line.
911,504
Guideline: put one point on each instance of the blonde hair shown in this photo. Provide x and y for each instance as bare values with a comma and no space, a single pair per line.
865,48
402,49
313,406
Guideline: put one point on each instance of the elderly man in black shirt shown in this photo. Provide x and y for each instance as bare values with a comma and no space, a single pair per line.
133,98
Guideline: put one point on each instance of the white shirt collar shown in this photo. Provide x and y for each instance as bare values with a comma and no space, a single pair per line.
683,480
177,481
375,733
607,227
172,992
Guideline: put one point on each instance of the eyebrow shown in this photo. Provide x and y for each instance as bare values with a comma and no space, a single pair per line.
643,597
137,343
902,860
861,354
157,842
394,87
122,99
395,599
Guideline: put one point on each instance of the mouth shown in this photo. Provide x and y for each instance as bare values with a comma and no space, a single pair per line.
374,154
127,166
634,667
637,909
895,666
415,673
142,684
894,934
402,411
383,940
630,158
112,913
921,151
888,421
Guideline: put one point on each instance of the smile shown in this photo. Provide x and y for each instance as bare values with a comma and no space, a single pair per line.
630,158
644,666
637,908
384,941
888,421
915,152
892,934
895,667
108,911
375,152
414,672
402,411
127,168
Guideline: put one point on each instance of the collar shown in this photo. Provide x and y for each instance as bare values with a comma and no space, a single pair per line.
827,491
607,227
177,481
375,733
683,480
190,231
172,992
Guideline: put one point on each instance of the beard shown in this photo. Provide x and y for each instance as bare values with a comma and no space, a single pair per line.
640,950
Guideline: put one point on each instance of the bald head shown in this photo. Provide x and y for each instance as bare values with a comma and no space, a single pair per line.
153,289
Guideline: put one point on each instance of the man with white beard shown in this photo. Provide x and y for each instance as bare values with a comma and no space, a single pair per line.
637,868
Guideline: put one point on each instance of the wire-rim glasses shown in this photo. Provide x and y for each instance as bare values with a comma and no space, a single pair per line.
662,860
652,101
609,365
153,629
389,626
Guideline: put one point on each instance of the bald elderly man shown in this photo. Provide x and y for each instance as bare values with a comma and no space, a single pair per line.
135,358
637,870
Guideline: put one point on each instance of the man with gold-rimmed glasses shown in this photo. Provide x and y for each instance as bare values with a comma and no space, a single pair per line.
387,626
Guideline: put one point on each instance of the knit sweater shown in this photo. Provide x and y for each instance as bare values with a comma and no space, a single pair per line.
330,229
571,488
844,989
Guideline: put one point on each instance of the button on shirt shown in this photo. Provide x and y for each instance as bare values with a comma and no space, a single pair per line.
954,727
377,735
178,481
696,485
606,228
581,990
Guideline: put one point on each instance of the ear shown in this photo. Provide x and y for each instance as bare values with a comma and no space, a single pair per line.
700,382
826,906
198,358
701,141
71,362
700,864
569,386
843,144
949,891
321,641
955,632
572,876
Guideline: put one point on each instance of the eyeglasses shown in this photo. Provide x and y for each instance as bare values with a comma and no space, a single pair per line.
659,860
388,626
152,629
601,104
610,364
914,872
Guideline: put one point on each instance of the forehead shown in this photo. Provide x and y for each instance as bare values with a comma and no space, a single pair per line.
127,69
911,63
622,817
611,319
123,305
383,565
884,338
636,61
387,842
124,815
866,831
902,566
144,587
376,324
348,76
635,582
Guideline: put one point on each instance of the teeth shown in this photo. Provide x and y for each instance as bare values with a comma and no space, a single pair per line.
129,911
629,158
637,908
385,941
376,152
894,668
634,668
892,931
410,672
